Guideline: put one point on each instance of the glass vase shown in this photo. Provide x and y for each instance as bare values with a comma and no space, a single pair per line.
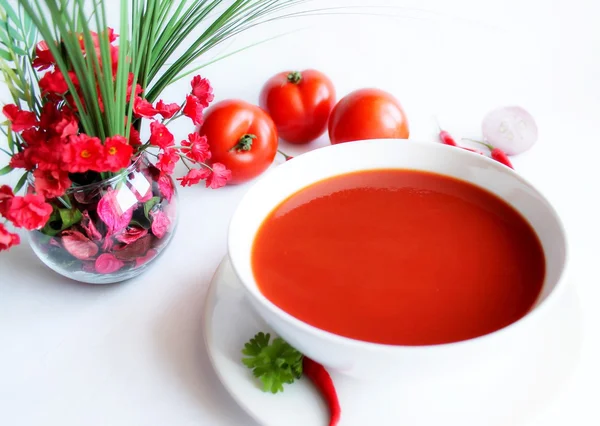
112,230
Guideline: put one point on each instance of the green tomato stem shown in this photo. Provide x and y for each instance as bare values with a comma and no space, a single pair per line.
294,77
245,143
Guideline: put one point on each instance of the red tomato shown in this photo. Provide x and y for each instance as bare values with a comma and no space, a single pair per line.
241,136
299,103
367,114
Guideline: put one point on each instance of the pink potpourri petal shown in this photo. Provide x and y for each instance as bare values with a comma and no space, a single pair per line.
78,245
131,234
107,264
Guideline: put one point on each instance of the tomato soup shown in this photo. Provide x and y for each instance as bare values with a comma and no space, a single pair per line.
399,257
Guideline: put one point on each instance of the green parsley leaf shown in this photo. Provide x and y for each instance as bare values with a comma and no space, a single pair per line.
274,364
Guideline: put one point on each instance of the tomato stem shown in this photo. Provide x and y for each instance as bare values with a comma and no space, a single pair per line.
294,77
245,143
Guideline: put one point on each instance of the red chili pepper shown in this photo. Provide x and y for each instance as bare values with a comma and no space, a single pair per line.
322,380
445,137
496,153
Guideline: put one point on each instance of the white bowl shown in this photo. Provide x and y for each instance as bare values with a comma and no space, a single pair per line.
364,359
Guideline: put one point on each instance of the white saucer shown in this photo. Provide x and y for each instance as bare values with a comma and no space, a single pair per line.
505,391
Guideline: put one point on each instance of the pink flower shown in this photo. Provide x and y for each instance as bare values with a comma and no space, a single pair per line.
19,119
151,254
131,234
165,186
51,183
167,110
167,160
194,176
78,245
29,212
197,148
219,176
193,109
160,136
117,153
90,228
6,195
143,108
111,213
160,223
202,91
107,264
7,239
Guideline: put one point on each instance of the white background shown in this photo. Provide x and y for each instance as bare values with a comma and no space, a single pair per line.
133,354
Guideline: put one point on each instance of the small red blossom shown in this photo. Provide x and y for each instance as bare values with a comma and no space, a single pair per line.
34,137
51,183
22,160
84,153
53,83
193,109
7,239
136,89
134,137
107,264
165,186
167,160
202,91
143,108
6,195
43,57
194,176
197,148
29,212
117,153
19,119
160,136
167,110
49,155
219,176
160,223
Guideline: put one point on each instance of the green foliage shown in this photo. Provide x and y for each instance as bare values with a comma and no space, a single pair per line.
274,363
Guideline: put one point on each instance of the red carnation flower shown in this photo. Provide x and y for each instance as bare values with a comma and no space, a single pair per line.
6,194
193,109
197,147
143,108
49,155
29,212
117,153
167,160
84,153
19,119
137,89
51,183
167,110
160,136
7,239
219,176
202,91
43,57
134,137
194,176
53,83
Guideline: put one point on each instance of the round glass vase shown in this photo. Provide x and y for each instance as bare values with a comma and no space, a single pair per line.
112,230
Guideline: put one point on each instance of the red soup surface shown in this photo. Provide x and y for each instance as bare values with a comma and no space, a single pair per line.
399,257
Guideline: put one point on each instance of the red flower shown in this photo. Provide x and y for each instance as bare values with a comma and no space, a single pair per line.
96,39
107,264
130,87
193,109
202,91
33,137
53,83
194,176
43,57
165,186
49,155
143,108
29,212
160,136
117,153
19,119
197,147
167,160
134,137
6,195
219,176
21,160
167,110
51,183
84,153
7,239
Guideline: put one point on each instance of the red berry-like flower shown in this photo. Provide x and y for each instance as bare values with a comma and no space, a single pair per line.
193,109
167,110
19,119
51,183
7,239
219,176
202,91
143,108
160,136
117,153
167,160
29,212
197,148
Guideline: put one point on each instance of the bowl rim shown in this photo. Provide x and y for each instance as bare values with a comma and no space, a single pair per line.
538,309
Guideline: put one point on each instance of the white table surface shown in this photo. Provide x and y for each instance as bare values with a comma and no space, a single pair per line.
133,354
